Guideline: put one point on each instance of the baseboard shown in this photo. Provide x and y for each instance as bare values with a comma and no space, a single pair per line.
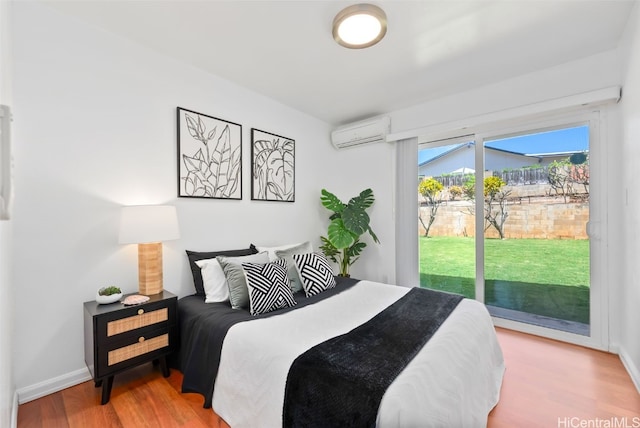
14,410
50,386
632,369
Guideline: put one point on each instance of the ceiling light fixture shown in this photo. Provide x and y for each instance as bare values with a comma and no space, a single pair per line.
359,26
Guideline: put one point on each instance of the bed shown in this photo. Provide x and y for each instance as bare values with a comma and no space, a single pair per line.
243,364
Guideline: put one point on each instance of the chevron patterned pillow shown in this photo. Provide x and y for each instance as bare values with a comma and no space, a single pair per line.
315,272
268,286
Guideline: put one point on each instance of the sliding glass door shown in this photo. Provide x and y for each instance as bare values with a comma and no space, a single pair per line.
505,218
446,216
536,211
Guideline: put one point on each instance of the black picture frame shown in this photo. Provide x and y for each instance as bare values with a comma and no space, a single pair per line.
209,156
272,167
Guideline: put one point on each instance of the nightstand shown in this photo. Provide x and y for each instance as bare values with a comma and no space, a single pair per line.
118,337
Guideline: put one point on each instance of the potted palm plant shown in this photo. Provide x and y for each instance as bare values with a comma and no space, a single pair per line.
348,223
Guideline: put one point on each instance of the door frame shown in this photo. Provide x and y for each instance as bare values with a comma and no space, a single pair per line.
596,228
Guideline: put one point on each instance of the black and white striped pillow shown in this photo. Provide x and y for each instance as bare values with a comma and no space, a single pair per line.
315,272
268,286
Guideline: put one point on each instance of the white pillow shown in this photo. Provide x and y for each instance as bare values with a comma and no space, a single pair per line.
214,281
272,250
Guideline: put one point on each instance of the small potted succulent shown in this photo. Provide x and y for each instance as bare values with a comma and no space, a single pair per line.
108,295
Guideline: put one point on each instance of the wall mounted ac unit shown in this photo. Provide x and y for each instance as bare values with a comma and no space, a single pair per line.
364,132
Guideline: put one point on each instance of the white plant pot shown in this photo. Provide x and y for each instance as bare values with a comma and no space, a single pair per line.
104,300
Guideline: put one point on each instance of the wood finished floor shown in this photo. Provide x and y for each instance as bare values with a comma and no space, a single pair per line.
545,382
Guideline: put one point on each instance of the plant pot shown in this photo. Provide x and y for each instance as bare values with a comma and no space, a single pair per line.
105,300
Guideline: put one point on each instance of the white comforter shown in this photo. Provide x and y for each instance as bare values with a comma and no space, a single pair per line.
453,382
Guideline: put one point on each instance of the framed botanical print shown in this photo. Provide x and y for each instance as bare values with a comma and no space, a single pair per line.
272,167
209,156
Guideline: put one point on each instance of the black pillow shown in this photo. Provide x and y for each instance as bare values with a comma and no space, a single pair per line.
194,256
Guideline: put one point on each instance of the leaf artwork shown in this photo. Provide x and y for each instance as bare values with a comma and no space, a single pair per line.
273,167
211,157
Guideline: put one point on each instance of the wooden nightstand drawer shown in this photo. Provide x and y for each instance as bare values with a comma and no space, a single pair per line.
141,319
135,347
117,325
144,346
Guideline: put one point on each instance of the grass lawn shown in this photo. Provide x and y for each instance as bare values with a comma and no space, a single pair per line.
545,277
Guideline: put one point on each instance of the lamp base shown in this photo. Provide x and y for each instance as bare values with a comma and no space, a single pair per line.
150,268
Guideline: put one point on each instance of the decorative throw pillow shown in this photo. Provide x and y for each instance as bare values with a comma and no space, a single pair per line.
268,286
292,272
315,272
194,256
214,281
272,250
232,268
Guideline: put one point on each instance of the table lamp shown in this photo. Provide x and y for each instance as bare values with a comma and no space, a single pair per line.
148,226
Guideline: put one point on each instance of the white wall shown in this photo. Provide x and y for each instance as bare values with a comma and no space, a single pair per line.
7,386
594,72
630,284
95,129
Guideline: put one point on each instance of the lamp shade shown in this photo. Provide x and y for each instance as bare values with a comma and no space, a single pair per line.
148,223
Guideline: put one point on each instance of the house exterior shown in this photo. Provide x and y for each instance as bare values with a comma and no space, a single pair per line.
461,159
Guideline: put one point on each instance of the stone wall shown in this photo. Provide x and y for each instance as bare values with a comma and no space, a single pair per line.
529,217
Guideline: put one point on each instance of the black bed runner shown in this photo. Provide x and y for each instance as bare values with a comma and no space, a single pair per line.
341,382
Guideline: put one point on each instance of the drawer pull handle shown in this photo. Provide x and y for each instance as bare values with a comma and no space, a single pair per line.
140,311
141,339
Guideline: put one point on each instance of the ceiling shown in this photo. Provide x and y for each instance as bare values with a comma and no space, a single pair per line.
285,50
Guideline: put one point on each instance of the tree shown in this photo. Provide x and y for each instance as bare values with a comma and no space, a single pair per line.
495,204
566,175
469,188
560,178
580,170
430,189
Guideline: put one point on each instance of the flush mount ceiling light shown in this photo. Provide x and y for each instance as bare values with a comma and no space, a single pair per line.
359,26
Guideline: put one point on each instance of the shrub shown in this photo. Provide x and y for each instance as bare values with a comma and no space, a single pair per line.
469,187
455,192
